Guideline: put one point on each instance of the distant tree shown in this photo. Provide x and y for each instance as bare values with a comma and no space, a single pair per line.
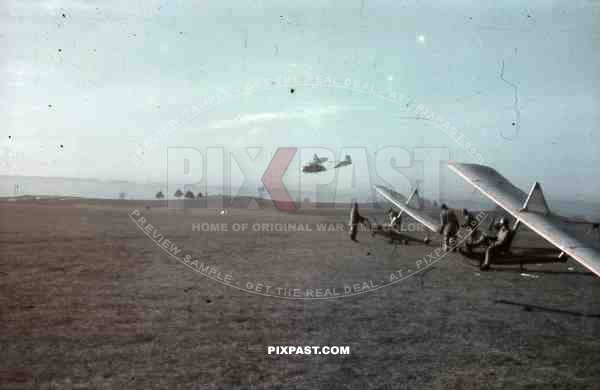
178,193
199,195
189,195
122,195
160,195
261,192
435,203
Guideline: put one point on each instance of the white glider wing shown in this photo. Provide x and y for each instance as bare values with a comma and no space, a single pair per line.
418,215
532,209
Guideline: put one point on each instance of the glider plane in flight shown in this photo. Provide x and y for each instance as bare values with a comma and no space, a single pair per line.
316,165
345,162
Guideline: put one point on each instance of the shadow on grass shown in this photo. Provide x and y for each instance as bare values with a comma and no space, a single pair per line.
528,307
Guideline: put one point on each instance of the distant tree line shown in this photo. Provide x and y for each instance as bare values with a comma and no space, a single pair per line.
178,194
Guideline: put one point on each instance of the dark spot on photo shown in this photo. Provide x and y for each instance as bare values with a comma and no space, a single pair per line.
292,90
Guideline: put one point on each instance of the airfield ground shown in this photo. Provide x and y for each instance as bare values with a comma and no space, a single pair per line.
90,301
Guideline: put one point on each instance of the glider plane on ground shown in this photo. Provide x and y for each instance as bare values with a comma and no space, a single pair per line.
390,229
530,209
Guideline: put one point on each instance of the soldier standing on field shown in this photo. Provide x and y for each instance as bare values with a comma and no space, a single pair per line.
449,227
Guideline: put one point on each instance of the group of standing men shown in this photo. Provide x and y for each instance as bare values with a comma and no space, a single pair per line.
449,227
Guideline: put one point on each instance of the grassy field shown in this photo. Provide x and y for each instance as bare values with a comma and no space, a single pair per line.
89,300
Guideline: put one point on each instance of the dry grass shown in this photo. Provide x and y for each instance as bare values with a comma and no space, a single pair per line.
89,301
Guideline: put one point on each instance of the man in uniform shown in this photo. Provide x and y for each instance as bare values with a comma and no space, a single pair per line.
355,219
448,228
476,237
394,219
468,220
499,243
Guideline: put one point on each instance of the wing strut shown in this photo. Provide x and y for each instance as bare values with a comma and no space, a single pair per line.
536,201
414,193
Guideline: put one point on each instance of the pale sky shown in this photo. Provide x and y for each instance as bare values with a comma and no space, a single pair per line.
108,75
